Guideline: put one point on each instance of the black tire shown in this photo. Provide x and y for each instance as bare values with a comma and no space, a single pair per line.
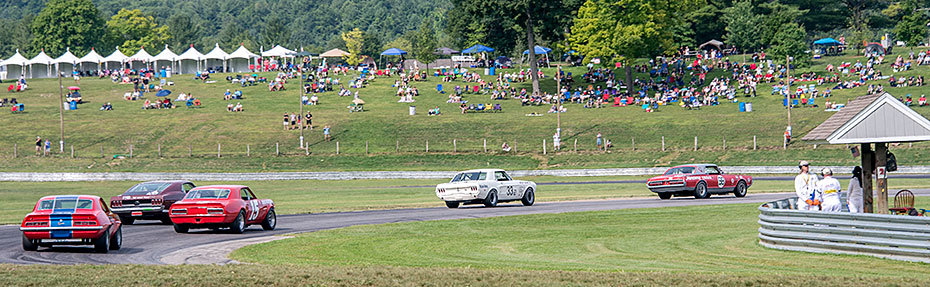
116,242
271,220
102,244
665,195
238,225
741,189
29,245
452,204
181,228
529,197
127,220
491,199
700,190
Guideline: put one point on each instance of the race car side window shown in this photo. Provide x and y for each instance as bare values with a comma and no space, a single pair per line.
251,195
103,206
501,176
712,170
244,193
187,187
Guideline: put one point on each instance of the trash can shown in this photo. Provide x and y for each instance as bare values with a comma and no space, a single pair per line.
413,110
487,71
742,107
73,105
749,107
492,71
67,105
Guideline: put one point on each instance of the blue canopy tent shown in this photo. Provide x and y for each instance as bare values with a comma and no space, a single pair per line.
833,46
478,48
392,52
540,50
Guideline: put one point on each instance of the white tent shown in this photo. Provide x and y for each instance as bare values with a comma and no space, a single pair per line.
218,57
193,57
15,65
240,59
142,57
90,61
44,63
117,57
65,60
278,51
166,55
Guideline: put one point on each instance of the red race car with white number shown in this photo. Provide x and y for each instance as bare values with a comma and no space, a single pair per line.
72,220
222,206
698,180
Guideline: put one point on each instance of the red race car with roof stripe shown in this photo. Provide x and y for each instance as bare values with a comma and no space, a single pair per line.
698,180
222,206
72,220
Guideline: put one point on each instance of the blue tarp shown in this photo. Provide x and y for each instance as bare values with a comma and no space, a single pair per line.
477,49
539,50
828,42
393,52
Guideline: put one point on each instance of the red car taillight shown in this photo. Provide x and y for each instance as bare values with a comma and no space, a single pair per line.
36,224
214,211
85,223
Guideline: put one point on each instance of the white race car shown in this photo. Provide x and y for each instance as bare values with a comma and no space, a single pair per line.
485,186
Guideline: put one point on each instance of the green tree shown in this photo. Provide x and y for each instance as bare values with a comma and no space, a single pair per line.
425,45
372,44
183,31
275,32
790,41
354,43
777,15
132,30
18,36
67,23
911,29
743,25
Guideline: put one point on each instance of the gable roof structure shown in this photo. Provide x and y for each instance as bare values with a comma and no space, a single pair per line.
872,119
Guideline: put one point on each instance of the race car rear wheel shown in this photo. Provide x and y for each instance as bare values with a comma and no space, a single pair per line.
102,244
700,191
740,190
117,241
181,228
491,200
238,225
665,195
452,204
127,220
271,220
29,245
528,197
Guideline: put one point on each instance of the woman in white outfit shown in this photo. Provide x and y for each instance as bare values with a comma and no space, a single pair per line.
829,188
805,187
854,191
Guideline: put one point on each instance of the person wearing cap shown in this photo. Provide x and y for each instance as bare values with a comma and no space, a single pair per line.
805,187
829,189
854,191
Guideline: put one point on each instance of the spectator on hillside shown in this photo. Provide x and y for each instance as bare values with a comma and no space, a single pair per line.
38,145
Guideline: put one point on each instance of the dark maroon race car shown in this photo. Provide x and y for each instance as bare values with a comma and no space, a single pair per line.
698,180
149,200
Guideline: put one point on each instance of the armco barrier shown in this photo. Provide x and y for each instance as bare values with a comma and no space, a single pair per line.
888,236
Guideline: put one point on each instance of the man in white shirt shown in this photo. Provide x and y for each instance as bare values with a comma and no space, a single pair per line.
805,187
829,188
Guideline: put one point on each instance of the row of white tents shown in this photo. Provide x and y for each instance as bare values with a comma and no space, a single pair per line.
189,62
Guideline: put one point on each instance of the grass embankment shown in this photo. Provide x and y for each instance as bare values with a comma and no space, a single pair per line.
698,241
396,140
314,196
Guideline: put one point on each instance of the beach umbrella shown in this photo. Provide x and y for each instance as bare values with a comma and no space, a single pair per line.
358,101
74,88
163,93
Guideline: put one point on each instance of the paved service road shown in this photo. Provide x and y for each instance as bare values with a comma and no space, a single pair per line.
159,244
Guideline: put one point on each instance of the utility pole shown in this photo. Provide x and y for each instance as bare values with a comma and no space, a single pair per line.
300,100
788,91
61,114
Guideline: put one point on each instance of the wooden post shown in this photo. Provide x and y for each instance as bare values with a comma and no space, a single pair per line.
544,146
190,150
815,146
724,142
15,149
130,150
455,146
337,147
784,143
633,140
218,150
276,150
663,143
366,147
159,150
485,145
695,143
868,164
396,146
72,151
753,142
881,183
248,150
514,145
427,145
576,145
307,147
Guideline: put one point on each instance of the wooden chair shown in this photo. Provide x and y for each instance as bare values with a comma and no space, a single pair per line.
903,202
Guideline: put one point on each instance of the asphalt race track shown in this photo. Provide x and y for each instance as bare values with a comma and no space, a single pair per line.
149,243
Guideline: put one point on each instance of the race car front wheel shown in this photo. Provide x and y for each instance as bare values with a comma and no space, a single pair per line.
665,195
740,190
271,220
28,245
528,197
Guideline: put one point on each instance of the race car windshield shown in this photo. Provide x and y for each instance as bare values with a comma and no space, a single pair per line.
148,188
208,194
469,176
680,170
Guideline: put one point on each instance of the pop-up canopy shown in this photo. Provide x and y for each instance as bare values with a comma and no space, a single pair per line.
539,50
477,49
42,59
166,55
278,51
191,55
393,52
828,42
334,53
15,65
218,57
66,60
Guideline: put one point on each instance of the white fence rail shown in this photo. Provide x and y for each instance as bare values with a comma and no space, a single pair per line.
888,236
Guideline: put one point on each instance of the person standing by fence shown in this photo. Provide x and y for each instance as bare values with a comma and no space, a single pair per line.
38,145
830,190
854,191
600,141
804,187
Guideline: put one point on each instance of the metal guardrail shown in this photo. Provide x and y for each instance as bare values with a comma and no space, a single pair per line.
897,237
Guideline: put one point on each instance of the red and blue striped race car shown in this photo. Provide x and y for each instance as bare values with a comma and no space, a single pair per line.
72,220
